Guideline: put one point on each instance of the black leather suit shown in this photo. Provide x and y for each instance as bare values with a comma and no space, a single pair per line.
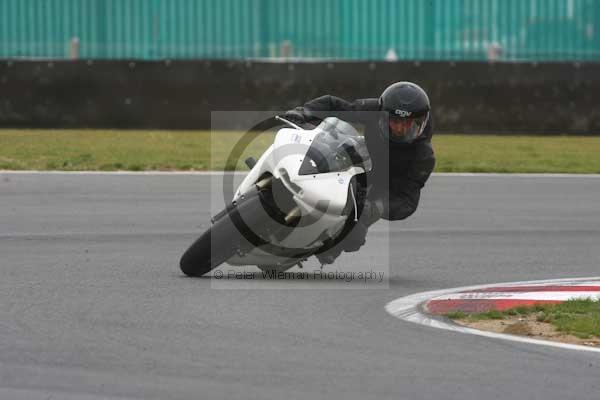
399,170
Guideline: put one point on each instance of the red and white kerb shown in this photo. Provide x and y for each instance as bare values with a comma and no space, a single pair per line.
505,297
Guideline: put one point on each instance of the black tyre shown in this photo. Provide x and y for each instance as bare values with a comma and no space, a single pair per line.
200,258
223,239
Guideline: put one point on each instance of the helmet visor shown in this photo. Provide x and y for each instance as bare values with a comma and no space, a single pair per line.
406,130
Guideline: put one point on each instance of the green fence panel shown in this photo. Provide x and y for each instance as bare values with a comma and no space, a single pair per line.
509,30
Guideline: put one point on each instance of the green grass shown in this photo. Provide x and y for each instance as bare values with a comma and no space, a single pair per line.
580,318
456,315
109,150
548,154
199,150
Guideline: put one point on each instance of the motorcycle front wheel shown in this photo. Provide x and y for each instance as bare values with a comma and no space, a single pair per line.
223,239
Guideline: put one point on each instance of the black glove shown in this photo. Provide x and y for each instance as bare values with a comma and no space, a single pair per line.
296,116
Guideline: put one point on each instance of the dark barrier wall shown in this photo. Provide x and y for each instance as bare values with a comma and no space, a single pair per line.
466,97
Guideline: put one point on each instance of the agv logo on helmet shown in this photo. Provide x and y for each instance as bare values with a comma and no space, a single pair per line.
403,113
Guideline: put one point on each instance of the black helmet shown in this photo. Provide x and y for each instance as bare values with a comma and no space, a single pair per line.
408,107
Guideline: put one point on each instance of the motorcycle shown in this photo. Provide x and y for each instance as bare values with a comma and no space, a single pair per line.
301,198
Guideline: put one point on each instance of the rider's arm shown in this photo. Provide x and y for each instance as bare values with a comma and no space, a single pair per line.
405,190
332,106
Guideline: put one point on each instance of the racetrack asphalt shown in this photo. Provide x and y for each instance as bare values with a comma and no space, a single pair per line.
93,305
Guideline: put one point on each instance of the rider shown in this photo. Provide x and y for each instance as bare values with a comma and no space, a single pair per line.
398,132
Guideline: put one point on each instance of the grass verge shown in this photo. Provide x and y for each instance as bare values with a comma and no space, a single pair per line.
580,318
200,150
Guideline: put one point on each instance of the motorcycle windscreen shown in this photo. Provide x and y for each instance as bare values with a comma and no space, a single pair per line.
332,150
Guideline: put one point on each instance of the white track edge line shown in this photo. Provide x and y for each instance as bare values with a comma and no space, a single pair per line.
407,309
218,173
126,173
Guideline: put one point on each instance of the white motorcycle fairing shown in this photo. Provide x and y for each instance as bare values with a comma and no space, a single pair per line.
320,197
